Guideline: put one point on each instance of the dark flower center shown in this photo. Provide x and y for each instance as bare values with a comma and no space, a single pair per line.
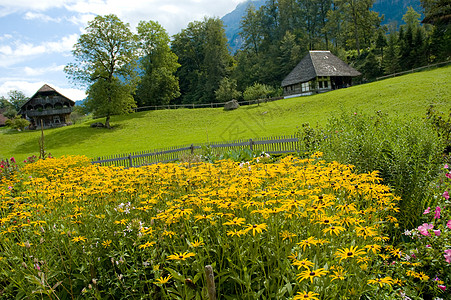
312,273
350,253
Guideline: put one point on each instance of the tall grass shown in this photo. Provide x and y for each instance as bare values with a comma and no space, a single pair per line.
406,151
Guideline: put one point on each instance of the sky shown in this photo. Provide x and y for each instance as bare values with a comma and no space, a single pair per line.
37,36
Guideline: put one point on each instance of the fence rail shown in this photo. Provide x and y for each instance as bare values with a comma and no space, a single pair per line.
271,145
204,105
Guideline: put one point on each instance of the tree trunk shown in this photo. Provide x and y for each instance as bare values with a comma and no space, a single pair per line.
107,122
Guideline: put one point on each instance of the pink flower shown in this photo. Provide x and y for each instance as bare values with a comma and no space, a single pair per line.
442,287
448,175
437,212
423,229
446,195
447,255
437,232
449,224
427,211
13,160
446,166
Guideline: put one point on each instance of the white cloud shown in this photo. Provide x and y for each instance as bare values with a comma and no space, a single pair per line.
41,17
30,88
19,51
41,71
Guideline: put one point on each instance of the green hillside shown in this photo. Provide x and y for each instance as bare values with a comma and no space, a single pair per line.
406,95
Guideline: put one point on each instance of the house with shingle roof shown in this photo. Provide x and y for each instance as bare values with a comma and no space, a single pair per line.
49,107
317,72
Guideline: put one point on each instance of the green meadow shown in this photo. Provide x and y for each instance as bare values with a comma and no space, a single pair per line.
408,95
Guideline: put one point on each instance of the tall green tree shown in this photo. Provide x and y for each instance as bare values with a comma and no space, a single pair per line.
158,84
204,58
358,22
105,62
17,98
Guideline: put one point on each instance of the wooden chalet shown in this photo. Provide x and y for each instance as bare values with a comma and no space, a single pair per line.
317,72
48,106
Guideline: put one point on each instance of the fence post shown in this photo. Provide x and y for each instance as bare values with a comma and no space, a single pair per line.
192,148
130,161
251,144
210,282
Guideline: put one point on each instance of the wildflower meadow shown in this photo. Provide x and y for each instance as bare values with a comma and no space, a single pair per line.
270,228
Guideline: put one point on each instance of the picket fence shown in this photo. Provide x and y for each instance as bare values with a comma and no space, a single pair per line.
271,145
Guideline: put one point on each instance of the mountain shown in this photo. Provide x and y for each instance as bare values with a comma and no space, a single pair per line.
393,10
232,22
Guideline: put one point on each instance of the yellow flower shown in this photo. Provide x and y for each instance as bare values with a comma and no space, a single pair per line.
349,252
256,228
306,295
339,273
146,245
106,243
162,280
235,221
307,274
334,230
169,233
287,235
197,243
381,281
79,239
373,248
180,256
122,222
305,263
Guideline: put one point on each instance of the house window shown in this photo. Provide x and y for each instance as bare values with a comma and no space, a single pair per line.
323,82
305,87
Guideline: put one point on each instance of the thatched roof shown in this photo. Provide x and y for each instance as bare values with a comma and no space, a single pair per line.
318,63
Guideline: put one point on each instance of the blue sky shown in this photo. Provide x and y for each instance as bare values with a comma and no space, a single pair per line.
36,37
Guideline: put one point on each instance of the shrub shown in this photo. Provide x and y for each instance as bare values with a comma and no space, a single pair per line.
227,90
257,91
17,123
406,152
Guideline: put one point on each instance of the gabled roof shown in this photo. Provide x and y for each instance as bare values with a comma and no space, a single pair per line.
45,89
318,63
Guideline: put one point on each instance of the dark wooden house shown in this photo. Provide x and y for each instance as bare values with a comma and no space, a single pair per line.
48,106
318,71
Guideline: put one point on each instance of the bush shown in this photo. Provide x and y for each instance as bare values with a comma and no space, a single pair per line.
17,123
406,152
258,91
227,90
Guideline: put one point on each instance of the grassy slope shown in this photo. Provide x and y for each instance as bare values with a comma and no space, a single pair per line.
407,95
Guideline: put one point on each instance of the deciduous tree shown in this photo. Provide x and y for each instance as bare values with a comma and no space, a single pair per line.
105,62
158,84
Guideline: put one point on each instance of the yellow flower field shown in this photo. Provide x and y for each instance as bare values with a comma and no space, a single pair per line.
72,230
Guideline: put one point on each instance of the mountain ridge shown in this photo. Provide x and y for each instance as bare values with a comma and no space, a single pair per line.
392,10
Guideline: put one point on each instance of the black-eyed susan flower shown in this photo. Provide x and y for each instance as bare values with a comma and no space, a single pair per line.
381,281
235,221
306,295
305,263
163,280
146,245
197,243
256,228
311,274
350,252
334,230
180,256
79,239
106,243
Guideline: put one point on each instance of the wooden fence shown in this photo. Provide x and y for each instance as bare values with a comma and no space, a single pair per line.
204,105
271,145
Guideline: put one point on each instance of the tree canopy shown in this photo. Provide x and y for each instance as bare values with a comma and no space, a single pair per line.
105,62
